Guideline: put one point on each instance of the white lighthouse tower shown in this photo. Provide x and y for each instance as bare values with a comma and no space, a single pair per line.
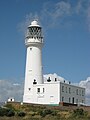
33,73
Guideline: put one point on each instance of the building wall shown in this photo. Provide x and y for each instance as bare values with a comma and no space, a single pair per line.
55,92
48,93
52,95
72,94
44,94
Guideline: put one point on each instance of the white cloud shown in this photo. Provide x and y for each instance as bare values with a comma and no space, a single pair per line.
49,15
8,89
86,84
22,27
82,6
65,9
53,14
78,6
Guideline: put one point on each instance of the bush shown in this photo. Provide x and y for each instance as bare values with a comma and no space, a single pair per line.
78,112
10,113
2,111
9,106
6,112
45,112
42,113
21,114
54,113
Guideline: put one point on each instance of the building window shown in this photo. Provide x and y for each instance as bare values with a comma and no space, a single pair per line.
76,101
76,91
38,90
66,89
55,79
43,90
82,92
69,90
69,100
73,100
62,88
62,99
82,101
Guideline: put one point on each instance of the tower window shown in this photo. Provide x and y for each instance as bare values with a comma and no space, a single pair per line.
34,82
30,48
38,90
29,89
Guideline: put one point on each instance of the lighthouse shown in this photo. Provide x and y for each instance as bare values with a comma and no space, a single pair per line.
33,72
51,89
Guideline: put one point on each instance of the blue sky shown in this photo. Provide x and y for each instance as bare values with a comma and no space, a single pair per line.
66,29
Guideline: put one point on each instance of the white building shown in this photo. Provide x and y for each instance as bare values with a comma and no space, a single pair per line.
51,89
11,99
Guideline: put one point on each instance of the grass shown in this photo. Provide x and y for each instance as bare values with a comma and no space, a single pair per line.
42,112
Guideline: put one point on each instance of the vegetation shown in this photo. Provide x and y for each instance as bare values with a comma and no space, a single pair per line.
21,114
7,112
15,111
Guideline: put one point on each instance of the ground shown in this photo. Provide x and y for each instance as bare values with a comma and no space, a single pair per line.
43,112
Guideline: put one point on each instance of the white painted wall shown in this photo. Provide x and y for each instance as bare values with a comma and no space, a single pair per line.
53,93
50,95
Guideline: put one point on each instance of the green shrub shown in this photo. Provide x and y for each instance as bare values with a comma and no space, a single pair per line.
78,112
10,113
45,112
2,111
21,114
42,113
6,112
54,113
9,106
